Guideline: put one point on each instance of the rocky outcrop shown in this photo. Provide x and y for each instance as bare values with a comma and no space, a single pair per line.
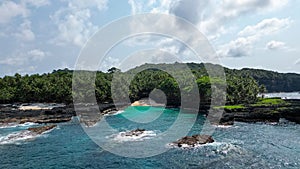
250,115
55,115
89,114
40,130
270,113
136,132
194,140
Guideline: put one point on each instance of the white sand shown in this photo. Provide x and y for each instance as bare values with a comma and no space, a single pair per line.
33,108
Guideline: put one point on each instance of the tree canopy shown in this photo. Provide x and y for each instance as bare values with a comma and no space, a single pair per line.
242,86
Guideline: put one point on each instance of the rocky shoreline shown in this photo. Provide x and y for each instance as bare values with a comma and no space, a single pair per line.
89,114
272,113
10,113
40,130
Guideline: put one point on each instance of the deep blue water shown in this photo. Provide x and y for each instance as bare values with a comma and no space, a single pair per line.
240,146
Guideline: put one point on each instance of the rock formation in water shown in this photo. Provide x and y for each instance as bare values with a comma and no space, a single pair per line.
194,140
40,130
136,132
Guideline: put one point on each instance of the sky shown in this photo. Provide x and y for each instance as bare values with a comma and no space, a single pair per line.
38,36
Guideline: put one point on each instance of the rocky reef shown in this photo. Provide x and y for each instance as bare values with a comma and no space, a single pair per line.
40,130
136,132
192,141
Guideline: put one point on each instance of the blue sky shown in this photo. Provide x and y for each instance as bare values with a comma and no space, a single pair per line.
38,36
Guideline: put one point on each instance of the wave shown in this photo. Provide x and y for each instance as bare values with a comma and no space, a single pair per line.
114,113
21,136
215,148
124,137
224,148
14,125
185,146
15,138
223,126
118,112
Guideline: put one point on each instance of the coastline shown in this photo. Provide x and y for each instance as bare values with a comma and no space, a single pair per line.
263,113
10,113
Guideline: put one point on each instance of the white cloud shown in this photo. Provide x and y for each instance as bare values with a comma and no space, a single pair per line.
24,32
153,6
37,3
274,45
10,9
297,62
245,6
237,48
13,61
74,28
74,22
266,27
190,10
80,4
10,13
26,70
36,54
225,11
135,7
212,17
20,58
243,45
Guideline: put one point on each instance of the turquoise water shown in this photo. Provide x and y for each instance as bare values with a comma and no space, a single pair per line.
68,146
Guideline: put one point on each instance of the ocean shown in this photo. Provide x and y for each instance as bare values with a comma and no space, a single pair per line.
243,145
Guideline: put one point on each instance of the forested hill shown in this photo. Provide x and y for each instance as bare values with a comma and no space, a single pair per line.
273,81
242,85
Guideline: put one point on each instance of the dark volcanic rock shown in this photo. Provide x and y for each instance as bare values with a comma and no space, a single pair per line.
136,132
55,115
194,140
40,130
90,114
290,111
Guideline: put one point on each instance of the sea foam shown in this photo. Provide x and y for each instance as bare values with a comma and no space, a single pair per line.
20,136
123,137
14,125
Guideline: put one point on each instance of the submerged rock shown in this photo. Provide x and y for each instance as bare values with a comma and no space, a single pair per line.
40,130
194,140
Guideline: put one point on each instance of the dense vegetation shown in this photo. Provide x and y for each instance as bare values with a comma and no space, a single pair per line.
241,85
273,81
51,87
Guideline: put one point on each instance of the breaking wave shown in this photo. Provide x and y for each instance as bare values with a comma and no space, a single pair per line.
14,125
20,136
124,137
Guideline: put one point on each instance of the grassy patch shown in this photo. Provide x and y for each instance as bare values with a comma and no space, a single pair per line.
231,107
270,102
266,102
